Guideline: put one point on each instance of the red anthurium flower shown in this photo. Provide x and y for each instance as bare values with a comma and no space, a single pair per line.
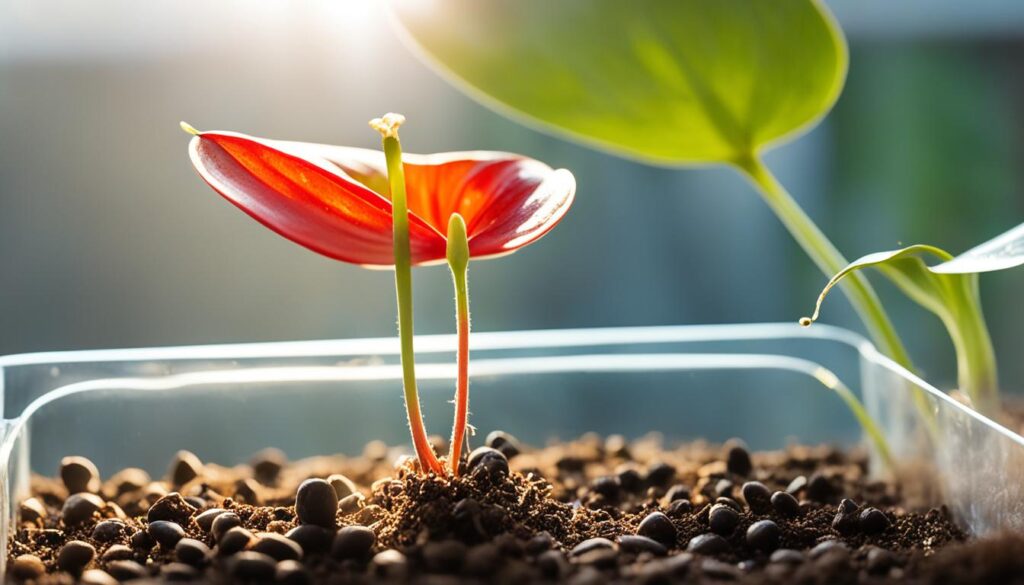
334,200
389,209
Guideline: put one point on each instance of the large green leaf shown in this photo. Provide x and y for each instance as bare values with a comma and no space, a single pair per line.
670,81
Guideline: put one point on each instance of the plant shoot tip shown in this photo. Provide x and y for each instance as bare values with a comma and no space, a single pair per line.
188,128
388,124
806,321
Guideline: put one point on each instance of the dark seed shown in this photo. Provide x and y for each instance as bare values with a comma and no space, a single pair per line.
785,504
126,570
722,519
757,496
31,510
492,460
267,464
97,577
312,538
178,572
117,552
252,566
737,460
719,571
184,468
553,564
602,558
873,521
167,534
79,508
350,504
763,535
677,492
141,540
234,540
660,474
206,518
277,547
316,502
629,479
127,480
589,545
342,485
787,556
79,475
819,488
679,508
639,544
172,508
249,490
707,544
845,520
292,573
27,567
880,560
606,486
799,482
196,502
108,530
391,564
445,556
828,547
504,442
191,552
482,560
353,542
74,556
657,526
540,543
729,502
223,522
723,488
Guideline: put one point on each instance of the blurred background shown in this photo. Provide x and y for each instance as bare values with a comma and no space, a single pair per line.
109,239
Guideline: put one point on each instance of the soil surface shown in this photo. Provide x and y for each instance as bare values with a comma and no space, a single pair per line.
587,511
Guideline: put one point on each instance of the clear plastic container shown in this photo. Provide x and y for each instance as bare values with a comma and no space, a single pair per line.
767,384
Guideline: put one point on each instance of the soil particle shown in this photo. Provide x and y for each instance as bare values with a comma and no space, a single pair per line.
584,511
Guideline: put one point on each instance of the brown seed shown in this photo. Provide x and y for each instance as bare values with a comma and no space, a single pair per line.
267,465
253,566
737,459
97,577
657,526
763,535
277,547
184,468
172,508
723,520
109,530
27,567
224,522
292,573
191,552
117,552
342,485
785,504
31,510
126,570
80,508
79,475
235,540
167,534
74,556
707,544
316,502
312,538
205,519
757,496
353,542
127,480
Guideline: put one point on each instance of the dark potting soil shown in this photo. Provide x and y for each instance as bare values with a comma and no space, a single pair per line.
586,511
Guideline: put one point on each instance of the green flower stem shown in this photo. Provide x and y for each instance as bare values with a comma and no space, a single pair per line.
403,286
458,262
828,259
